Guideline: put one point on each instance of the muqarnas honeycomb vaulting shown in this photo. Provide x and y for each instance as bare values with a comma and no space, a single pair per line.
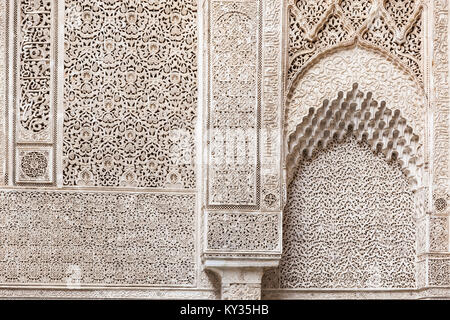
224,149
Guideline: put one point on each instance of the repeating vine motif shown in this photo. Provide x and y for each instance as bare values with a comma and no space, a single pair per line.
311,12
243,231
107,238
34,123
356,12
395,26
130,93
34,164
349,222
400,11
233,131
271,105
439,236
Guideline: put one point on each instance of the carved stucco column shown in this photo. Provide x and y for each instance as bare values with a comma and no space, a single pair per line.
241,279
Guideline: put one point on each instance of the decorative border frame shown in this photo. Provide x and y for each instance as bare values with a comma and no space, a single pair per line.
197,282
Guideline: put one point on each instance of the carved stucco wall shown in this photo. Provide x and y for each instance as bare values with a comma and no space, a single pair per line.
437,261
70,238
361,199
371,121
34,99
243,81
242,182
272,101
441,98
243,61
233,177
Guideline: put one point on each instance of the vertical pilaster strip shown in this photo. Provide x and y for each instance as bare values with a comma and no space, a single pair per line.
240,283
59,92
3,88
34,109
233,103
272,84
441,100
